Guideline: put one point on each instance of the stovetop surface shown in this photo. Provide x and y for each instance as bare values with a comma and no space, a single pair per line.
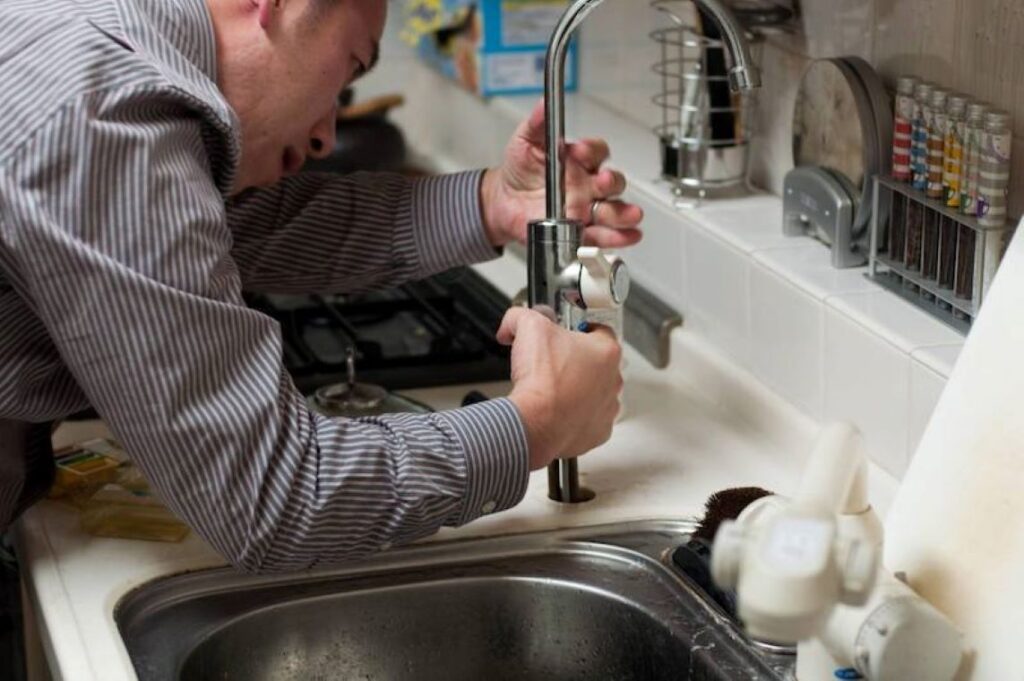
439,331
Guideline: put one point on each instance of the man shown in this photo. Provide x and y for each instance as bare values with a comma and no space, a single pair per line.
147,174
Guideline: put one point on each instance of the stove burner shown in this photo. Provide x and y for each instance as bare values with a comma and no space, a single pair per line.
439,331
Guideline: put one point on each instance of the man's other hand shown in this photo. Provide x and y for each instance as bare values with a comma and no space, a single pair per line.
566,385
513,195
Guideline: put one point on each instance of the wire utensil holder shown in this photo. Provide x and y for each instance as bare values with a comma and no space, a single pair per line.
698,160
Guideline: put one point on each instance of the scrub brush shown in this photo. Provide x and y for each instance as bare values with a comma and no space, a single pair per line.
726,505
694,557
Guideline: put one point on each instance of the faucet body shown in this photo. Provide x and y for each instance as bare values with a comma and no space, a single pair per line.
557,278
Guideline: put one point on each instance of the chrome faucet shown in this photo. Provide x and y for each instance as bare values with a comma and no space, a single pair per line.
565,278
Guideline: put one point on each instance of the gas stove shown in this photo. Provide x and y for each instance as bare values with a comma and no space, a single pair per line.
435,332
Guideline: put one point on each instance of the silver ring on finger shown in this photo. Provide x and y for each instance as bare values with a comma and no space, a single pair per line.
593,210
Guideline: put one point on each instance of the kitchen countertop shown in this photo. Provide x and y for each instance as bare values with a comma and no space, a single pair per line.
699,426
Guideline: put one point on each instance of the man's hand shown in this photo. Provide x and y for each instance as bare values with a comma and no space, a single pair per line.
566,385
513,194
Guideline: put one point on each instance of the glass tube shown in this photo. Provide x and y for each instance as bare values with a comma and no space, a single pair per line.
947,252
897,227
914,236
965,263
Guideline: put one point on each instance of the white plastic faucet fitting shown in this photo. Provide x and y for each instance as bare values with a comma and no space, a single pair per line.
791,569
806,571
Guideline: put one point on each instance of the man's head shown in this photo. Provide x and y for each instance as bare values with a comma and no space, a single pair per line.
281,66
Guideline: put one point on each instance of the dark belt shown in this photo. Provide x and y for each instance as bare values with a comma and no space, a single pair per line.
26,467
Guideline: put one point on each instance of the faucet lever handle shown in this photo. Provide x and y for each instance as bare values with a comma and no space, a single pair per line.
604,279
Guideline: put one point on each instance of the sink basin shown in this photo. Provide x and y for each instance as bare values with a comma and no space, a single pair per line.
591,603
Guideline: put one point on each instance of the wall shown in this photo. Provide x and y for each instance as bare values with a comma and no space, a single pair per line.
974,46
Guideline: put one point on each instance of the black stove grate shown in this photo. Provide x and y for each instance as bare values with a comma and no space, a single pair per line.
435,332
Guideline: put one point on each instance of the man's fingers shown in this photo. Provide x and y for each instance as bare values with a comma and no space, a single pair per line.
609,183
513,321
607,237
589,153
510,324
532,129
601,330
618,215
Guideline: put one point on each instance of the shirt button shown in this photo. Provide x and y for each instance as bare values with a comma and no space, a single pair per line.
385,546
489,507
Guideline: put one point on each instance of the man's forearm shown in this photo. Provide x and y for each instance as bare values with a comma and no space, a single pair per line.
318,232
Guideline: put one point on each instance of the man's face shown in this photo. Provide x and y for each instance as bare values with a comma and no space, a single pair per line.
284,84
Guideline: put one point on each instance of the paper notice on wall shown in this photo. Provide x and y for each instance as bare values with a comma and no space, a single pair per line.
957,525
529,22
514,71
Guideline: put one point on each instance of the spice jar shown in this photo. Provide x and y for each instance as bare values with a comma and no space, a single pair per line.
953,149
919,137
903,128
937,122
994,175
971,165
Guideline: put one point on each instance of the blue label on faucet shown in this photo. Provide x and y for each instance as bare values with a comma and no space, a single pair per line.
848,673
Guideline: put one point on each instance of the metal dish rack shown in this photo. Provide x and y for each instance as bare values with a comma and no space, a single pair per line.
696,165
932,255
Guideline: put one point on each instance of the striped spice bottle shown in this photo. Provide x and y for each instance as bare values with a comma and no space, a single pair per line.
937,121
903,128
994,178
919,137
954,149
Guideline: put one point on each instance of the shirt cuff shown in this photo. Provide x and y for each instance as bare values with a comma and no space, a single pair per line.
448,222
497,457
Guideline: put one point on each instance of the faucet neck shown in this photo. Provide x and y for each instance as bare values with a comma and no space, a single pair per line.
743,76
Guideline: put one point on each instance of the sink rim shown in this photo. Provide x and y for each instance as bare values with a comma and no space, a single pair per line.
642,545
195,583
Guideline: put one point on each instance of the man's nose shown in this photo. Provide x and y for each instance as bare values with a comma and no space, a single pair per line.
322,137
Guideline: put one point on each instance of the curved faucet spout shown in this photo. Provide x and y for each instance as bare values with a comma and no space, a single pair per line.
742,76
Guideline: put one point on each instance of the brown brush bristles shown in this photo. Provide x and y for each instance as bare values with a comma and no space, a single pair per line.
726,505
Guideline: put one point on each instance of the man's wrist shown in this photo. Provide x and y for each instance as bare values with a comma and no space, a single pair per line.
489,187
540,432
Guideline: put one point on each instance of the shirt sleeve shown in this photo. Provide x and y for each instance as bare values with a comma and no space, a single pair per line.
118,241
342,233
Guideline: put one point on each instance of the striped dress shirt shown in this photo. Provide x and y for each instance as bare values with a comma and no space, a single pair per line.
122,263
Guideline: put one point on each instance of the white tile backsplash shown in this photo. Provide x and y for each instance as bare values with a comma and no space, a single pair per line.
717,278
895,319
787,339
867,382
925,389
662,252
808,264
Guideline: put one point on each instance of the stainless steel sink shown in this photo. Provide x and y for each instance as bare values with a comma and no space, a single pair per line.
592,603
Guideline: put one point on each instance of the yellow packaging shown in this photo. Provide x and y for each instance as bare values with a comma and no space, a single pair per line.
85,467
115,511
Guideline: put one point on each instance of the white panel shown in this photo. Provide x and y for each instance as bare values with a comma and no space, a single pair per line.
867,382
787,335
941,358
717,277
895,320
808,264
658,260
925,389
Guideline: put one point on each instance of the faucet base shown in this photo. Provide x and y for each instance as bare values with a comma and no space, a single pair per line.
564,483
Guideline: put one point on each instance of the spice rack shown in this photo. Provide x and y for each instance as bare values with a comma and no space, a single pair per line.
932,255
